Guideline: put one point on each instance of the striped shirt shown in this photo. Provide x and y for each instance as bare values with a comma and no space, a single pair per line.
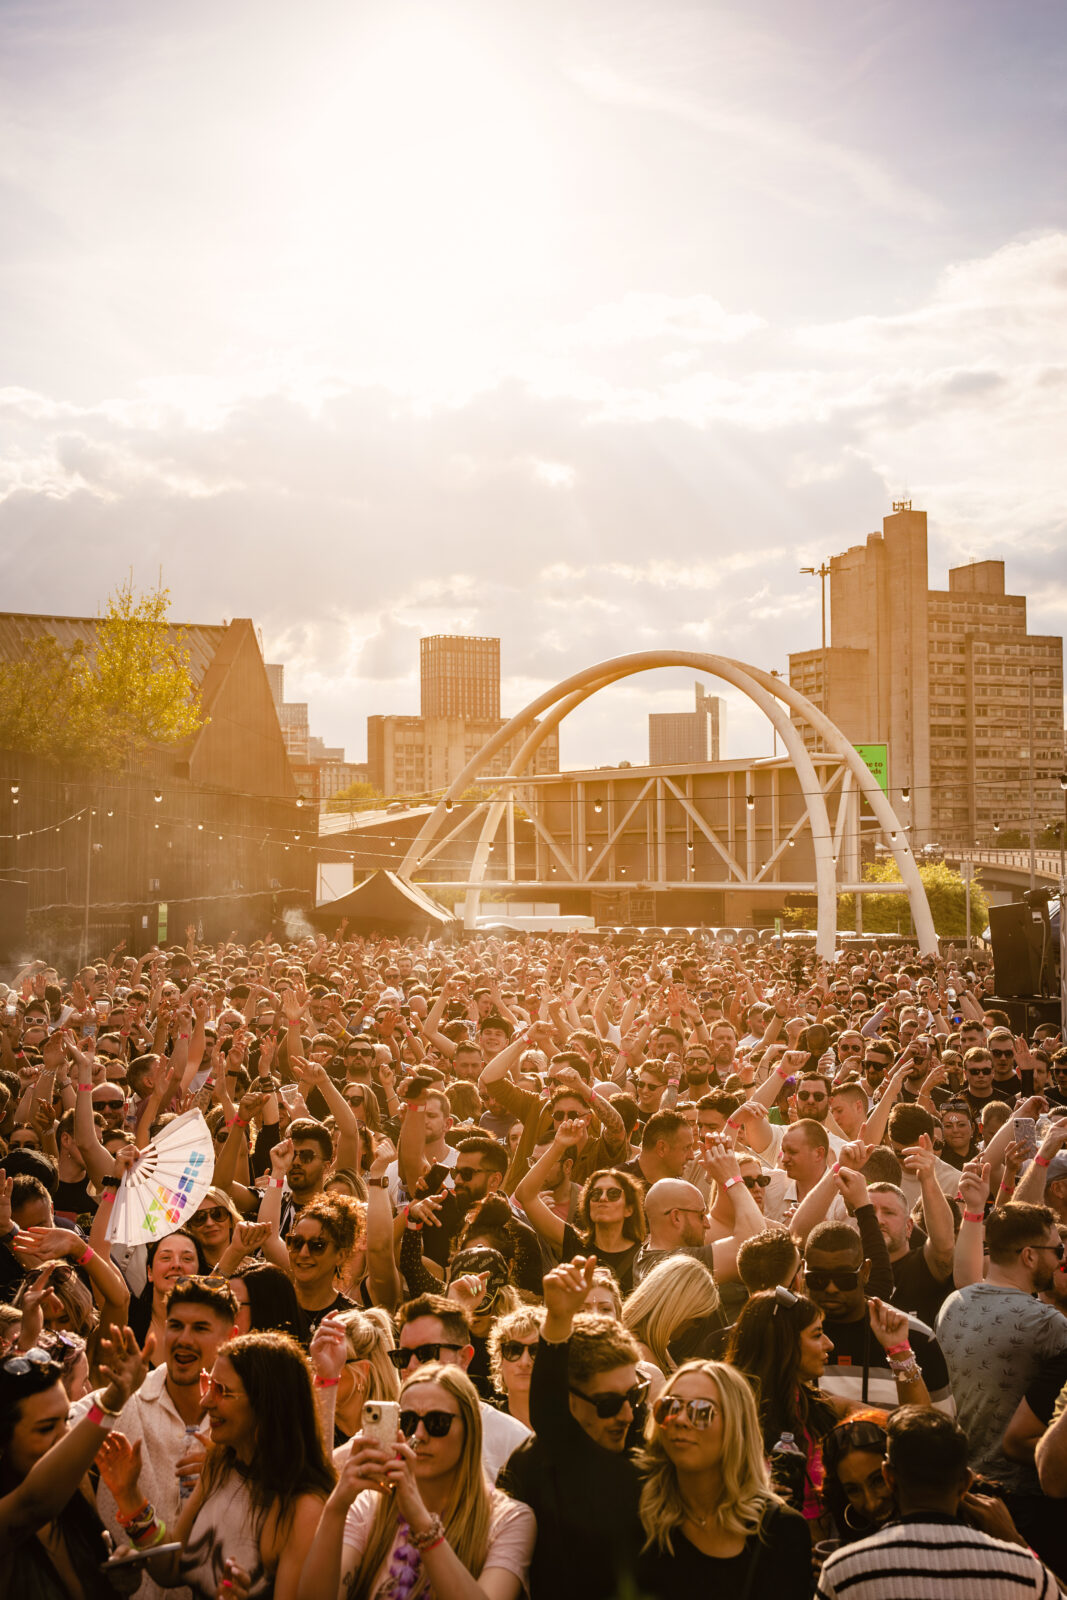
931,1557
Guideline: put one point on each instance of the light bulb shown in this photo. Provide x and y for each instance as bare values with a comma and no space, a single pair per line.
905,795
598,806
750,801
448,805
299,801
157,796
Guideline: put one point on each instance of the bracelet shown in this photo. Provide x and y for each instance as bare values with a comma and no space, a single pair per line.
1041,1161
182,1036
275,1183
237,1122
161,1534
731,1181
428,1547
86,1256
101,1418
432,1536
895,1350
325,1383
86,1088
779,1073
974,1216
905,1371
133,1516
731,1122
109,1183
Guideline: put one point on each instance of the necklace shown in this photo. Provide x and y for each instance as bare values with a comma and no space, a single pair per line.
693,1516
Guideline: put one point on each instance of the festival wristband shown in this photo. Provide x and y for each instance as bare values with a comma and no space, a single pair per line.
1042,1161
731,1181
86,1256
325,1383
973,1216
101,1418
896,1349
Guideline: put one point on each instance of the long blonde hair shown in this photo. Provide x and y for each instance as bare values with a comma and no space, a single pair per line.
466,1516
746,1488
677,1291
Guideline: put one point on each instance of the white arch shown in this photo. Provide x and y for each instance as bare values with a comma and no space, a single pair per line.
764,690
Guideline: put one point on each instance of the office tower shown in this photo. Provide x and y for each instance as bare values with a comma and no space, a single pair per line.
679,738
459,677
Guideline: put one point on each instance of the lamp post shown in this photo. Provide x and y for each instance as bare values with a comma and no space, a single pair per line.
1063,918
822,572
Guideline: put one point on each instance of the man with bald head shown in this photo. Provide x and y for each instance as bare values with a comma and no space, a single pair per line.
678,1220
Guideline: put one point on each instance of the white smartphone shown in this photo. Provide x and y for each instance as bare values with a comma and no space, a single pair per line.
138,1558
381,1422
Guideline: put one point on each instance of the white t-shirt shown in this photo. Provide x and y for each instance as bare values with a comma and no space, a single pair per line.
512,1533
392,1171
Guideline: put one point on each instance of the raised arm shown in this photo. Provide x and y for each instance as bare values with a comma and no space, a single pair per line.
528,1190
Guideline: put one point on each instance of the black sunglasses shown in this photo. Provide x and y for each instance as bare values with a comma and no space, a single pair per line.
612,1192
420,1353
317,1247
756,1180
609,1405
514,1349
436,1423
821,1279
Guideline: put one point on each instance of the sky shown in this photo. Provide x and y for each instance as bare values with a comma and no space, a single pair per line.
584,323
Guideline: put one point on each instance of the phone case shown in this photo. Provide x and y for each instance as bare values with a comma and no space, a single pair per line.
381,1422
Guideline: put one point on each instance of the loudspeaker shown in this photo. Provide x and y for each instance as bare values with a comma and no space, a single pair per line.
14,898
1025,1015
1017,935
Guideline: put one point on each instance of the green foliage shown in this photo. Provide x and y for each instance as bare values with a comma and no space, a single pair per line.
359,796
104,705
891,913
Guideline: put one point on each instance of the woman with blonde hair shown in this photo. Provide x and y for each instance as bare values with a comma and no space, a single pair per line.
418,1517
678,1298
711,1521
513,1344
368,1374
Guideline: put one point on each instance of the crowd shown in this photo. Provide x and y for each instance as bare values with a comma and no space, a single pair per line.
533,1265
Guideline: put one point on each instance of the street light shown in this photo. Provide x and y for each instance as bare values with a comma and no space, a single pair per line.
1063,913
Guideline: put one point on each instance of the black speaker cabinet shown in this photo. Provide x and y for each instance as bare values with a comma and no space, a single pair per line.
1017,935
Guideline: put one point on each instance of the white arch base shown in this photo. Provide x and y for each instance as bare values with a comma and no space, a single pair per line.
774,698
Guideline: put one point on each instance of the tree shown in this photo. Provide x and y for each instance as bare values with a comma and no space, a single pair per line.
103,704
359,796
891,913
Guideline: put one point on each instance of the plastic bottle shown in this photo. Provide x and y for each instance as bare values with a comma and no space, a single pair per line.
788,1468
186,1485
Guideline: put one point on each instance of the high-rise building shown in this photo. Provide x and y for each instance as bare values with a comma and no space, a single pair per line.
459,677
683,737
320,771
944,678
460,705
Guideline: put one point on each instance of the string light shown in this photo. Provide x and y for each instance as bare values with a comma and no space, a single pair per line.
598,806
157,796
750,801
15,788
299,802
449,805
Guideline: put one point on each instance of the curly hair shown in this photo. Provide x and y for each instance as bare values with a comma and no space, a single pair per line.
517,1324
340,1218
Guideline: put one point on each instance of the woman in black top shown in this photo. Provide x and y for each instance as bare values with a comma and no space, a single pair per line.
610,1217
711,1521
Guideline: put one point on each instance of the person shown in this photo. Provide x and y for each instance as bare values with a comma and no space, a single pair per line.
856,1495
675,1313
512,1344
881,1355
368,1372
667,1143
802,1156
779,1344
433,1328
266,1300
51,1539
930,1548
677,1215
922,1274
175,1256
263,1486
712,1523
611,1214
419,1518
320,1241
212,1225
165,1415
996,1336
578,1474
961,1140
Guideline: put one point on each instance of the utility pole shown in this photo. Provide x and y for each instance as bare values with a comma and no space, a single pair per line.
1033,822
88,882
822,572
1063,913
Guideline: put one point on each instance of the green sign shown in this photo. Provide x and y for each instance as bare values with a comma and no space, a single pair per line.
161,925
877,759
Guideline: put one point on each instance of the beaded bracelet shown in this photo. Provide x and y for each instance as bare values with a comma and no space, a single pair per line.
433,1535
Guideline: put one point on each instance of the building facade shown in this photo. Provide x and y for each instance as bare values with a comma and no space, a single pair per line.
949,679
459,678
688,736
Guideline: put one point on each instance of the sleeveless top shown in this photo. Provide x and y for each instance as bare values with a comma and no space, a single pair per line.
226,1529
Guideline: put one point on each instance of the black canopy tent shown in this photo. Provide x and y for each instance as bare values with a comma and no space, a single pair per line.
384,903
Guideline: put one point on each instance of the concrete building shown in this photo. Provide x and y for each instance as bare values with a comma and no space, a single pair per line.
460,711
688,736
320,770
943,677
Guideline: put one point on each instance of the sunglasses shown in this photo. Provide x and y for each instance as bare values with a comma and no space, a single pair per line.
609,1405
436,1423
202,1280
317,1247
109,1105
815,1098
30,1361
756,1180
612,1192
980,1072
514,1349
356,1099
649,1083
843,1277
699,1414
209,1214
1002,1055
421,1353
564,1116
1057,1249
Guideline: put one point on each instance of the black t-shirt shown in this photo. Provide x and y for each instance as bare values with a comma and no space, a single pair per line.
72,1200
776,1561
308,1321
1043,1393
621,1262
915,1288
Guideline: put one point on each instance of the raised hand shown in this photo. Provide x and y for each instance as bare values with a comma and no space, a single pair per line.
328,1349
281,1158
566,1287
121,1362
888,1324
974,1185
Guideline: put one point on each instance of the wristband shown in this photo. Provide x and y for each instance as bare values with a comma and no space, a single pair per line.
275,1183
86,1088
731,1122
237,1122
973,1216
86,1256
109,1183
1042,1161
325,1383
895,1349
731,1181
101,1418
779,1073
182,1036
132,1516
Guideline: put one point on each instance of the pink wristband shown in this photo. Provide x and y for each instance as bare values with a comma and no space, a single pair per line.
973,1216
275,1183
99,1417
86,1256
86,1088
895,1349
325,1383
731,1181
1042,1161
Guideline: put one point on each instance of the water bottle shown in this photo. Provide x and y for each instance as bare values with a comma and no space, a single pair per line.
186,1485
788,1468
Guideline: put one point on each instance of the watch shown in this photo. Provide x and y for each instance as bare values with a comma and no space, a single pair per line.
377,1183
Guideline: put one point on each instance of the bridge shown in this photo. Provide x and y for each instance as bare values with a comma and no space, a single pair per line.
1006,873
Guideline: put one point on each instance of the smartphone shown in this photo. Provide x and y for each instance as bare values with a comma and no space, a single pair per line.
381,1422
1024,1131
137,1558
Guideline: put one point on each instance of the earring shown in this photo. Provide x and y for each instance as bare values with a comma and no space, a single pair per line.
857,1527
